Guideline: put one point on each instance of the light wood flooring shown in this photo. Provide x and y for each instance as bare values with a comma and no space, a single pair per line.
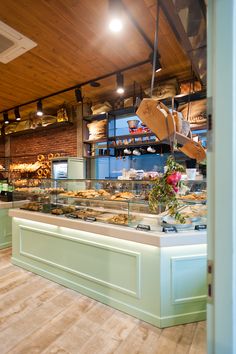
39,316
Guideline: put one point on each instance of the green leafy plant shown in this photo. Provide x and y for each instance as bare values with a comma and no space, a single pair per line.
165,189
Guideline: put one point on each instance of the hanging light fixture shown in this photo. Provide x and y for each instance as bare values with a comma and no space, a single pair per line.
115,11
78,94
17,114
120,83
5,117
158,66
39,108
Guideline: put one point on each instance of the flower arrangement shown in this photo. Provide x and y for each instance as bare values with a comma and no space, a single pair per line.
165,190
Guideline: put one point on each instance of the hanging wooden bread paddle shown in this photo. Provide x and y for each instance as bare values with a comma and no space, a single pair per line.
160,121
156,116
192,149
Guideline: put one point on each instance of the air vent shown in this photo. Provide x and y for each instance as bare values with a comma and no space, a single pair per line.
12,43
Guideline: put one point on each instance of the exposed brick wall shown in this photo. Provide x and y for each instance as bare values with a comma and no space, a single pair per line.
2,148
61,139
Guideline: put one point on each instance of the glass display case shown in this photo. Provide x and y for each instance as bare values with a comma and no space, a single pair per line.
114,202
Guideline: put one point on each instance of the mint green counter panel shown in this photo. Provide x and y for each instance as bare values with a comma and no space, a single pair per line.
183,284
5,229
142,280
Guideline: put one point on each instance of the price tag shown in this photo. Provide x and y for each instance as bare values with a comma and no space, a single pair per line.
72,216
200,227
143,227
168,229
90,218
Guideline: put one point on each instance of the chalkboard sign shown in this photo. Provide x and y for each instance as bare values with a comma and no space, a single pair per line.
143,227
200,227
168,229
90,218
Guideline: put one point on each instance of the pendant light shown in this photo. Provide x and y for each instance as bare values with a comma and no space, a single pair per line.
5,117
120,83
17,114
115,11
156,62
39,108
78,95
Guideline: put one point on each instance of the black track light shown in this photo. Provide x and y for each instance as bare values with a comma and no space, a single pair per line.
39,108
115,15
95,84
5,117
78,94
17,114
158,66
120,83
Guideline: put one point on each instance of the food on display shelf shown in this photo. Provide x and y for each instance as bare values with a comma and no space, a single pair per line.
120,219
97,129
54,190
25,182
191,213
195,211
87,194
40,157
68,208
100,108
122,196
33,206
104,193
50,156
194,196
62,115
25,167
36,190
57,211
60,210
85,213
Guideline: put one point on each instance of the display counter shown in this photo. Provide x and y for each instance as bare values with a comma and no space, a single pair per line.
157,277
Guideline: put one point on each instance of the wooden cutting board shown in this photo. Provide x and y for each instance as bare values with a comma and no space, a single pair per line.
162,126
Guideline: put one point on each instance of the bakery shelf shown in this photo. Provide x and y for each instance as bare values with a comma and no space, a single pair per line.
130,136
138,144
98,156
123,111
50,126
95,117
103,140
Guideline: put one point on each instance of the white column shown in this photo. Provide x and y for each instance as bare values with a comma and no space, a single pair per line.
221,175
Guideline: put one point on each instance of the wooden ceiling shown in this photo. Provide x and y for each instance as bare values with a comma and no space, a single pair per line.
75,45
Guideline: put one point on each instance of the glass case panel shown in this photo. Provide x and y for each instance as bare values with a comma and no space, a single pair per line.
111,201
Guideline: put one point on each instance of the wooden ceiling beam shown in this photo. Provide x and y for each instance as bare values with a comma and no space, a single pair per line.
169,10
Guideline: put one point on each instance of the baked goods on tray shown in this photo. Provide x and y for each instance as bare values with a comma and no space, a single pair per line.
87,194
122,196
66,209
57,211
194,197
33,206
85,213
120,219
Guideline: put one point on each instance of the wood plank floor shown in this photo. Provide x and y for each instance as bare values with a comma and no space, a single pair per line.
39,316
